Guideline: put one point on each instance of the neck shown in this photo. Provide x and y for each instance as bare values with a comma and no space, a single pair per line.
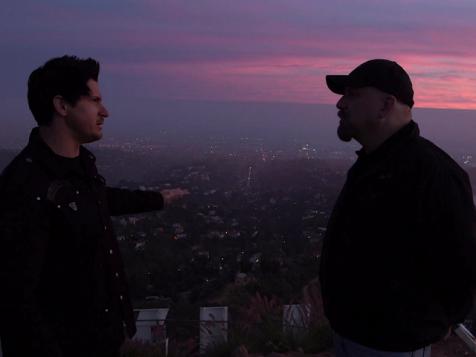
61,144
375,140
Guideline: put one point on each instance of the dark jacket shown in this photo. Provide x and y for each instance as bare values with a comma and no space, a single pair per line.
398,265
61,275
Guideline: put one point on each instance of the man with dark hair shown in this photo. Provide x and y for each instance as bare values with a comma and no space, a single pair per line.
398,261
67,75
64,291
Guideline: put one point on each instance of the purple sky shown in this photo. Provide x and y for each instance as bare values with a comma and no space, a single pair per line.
240,50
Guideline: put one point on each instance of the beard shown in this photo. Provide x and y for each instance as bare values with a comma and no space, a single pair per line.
343,134
344,130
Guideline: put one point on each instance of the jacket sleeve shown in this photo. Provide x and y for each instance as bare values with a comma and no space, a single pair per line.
450,228
121,201
24,236
455,224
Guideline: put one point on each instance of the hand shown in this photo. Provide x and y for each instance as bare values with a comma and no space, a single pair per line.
173,194
241,351
448,334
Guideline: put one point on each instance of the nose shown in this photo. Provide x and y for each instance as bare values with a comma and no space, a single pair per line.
104,112
341,103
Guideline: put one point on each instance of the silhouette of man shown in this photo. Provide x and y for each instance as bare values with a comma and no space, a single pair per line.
398,264
63,286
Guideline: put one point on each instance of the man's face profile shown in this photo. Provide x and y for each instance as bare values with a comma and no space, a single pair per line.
358,112
86,118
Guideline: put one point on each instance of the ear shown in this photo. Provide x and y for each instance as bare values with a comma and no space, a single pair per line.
60,105
388,103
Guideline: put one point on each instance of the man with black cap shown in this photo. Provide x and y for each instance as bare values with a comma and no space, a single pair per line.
398,263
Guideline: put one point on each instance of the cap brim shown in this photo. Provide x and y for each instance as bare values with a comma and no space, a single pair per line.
337,83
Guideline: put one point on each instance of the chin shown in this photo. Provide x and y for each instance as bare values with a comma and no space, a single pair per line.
92,138
343,135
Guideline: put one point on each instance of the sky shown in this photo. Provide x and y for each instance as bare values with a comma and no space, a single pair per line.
240,50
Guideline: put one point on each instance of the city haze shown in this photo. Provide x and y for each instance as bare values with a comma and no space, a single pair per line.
278,125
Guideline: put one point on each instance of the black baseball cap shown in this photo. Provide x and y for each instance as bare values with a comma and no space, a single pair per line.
386,75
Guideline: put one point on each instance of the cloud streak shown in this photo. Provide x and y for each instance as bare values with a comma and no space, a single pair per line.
276,50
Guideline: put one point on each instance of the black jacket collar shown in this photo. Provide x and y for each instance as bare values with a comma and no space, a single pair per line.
408,132
43,153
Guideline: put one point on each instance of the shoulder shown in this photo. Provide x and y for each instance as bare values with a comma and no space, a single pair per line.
19,169
23,174
430,158
432,169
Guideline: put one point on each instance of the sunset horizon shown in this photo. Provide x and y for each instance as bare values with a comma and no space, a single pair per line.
247,51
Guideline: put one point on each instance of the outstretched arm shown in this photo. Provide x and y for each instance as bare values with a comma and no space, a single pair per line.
122,201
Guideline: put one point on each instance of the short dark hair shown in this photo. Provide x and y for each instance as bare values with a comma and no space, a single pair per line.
66,76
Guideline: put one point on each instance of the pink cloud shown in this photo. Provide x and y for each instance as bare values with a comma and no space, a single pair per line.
438,82
254,51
